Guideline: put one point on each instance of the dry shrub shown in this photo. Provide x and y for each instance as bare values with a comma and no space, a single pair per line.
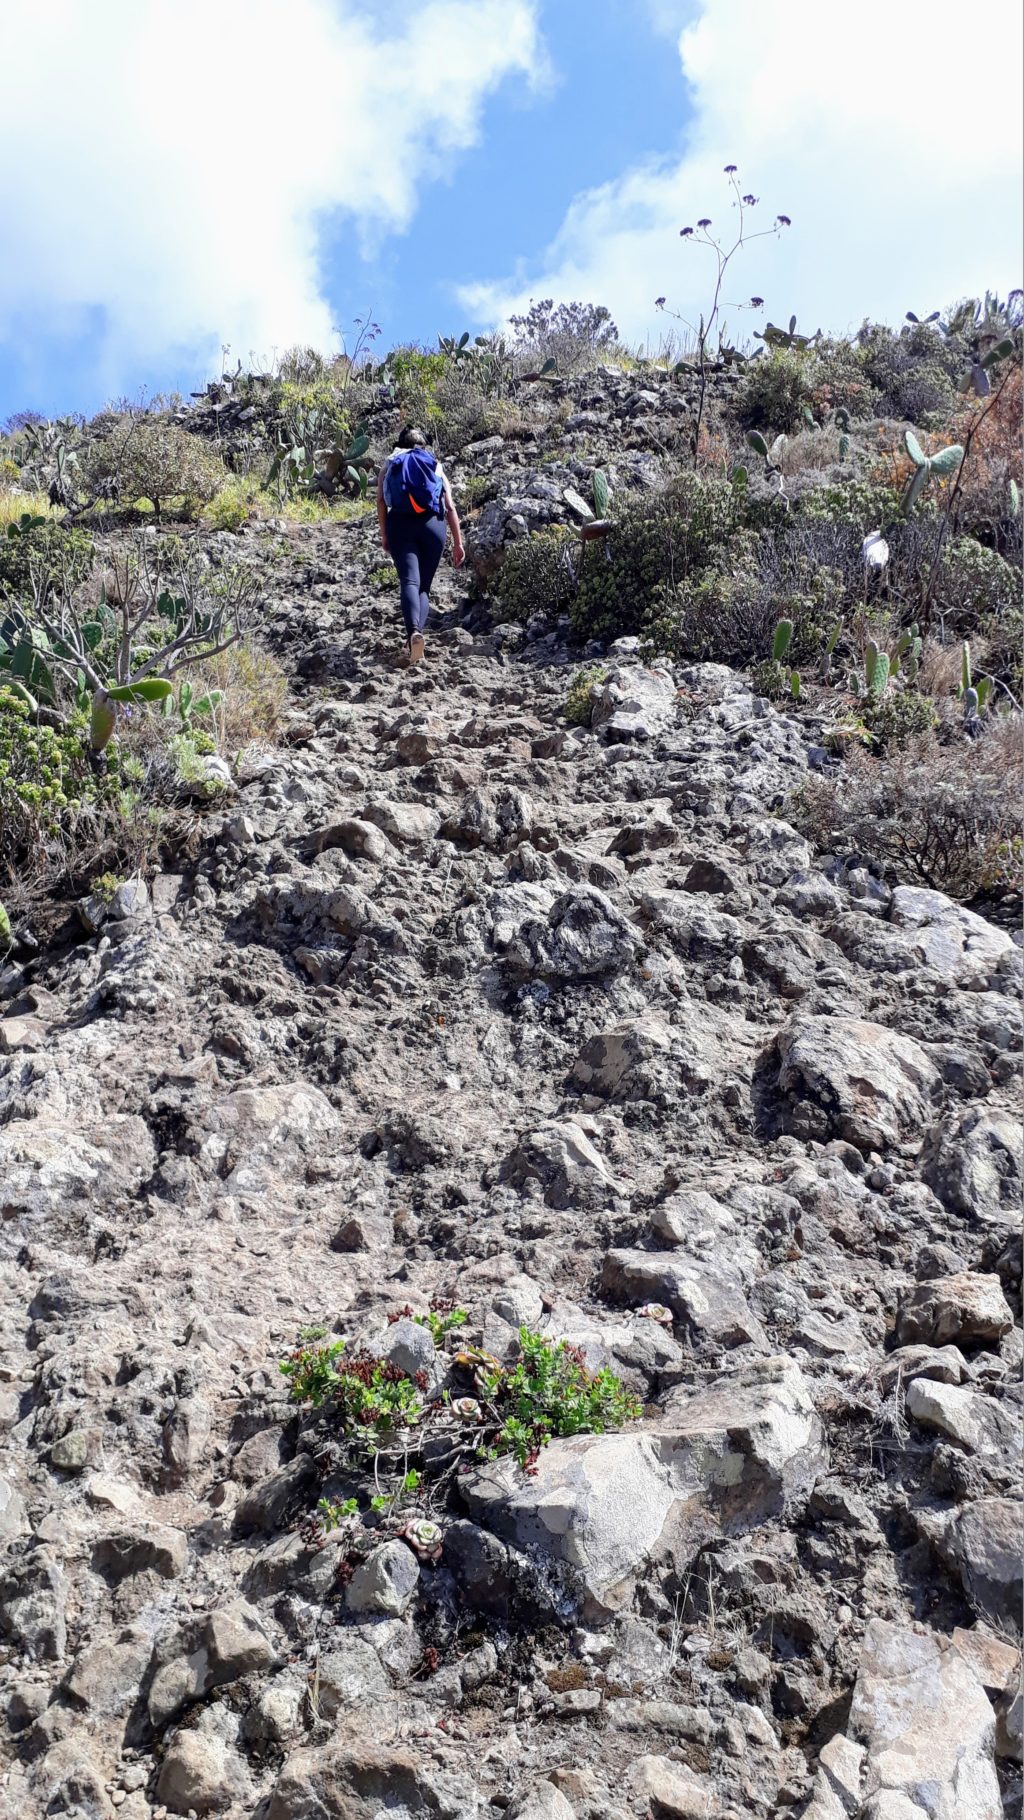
941,666
996,459
254,691
950,817
810,449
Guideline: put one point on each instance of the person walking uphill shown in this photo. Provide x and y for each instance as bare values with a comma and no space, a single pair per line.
415,509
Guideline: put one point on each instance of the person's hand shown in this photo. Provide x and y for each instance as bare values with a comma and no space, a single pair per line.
458,553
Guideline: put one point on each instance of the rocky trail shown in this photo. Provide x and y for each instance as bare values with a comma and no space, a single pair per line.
568,1027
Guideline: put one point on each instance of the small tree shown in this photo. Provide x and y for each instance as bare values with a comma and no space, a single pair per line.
148,457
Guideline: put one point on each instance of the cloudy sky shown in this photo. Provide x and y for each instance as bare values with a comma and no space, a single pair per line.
181,175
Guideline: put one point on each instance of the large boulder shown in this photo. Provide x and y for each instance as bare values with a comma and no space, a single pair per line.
947,938
361,1782
258,1133
983,1543
964,1307
600,1507
578,935
47,1166
560,1156
976,1166
925,1724
634,704
841,1077
706,1299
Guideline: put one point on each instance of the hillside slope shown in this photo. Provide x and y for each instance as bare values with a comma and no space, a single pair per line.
453,1000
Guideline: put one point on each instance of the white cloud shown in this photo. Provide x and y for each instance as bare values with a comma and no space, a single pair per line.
170,163
890,138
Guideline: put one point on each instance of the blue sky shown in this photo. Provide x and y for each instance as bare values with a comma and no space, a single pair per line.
260,172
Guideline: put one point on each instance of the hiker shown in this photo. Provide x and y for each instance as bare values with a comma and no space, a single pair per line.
415,507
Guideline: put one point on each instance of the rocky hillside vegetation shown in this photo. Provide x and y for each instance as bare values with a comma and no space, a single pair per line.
511,1169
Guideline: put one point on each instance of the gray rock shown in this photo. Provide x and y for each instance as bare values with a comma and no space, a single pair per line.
562,1158
953,941
634,704
672,1789
975,1422
926,1725
199,1774
13,1516
542,1802
385,1582
602,1506
983,1543
362,1780
976,1166
408,1345
579,935
216,1648
964,1307
844,1078
348,1674
708,1301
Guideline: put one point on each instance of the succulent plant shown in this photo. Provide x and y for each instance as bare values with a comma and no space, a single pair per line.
925,466
782,640
6,932
876,670
467,1409
602,493
424,1538
656,1311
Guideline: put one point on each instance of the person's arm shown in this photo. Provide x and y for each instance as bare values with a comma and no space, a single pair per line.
382,513
452,517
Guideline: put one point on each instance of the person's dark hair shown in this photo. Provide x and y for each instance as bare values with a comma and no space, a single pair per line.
412,438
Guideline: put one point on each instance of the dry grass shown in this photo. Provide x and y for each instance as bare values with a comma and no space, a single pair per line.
13,505
254,691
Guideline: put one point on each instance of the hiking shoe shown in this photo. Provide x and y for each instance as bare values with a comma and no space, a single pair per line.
417,646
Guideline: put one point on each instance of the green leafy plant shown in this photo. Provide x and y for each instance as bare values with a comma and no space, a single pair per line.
336,1514
6,931
146,456
549,1392
443,1318
370,1398
579,703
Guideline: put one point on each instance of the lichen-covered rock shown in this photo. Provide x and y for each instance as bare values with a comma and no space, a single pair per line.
841,1077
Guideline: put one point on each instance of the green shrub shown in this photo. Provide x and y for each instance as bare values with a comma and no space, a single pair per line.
579,703
45,783
537,575
855,502
774,391
574,335
549,1392
626,578
913,370
47,551
240,499
976,582
149,457
901,716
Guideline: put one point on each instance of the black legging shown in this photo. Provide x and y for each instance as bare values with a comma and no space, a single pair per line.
416,545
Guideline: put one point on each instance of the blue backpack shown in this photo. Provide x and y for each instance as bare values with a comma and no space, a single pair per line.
413,484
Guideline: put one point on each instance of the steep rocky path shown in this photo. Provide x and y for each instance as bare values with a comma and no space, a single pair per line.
565,1025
